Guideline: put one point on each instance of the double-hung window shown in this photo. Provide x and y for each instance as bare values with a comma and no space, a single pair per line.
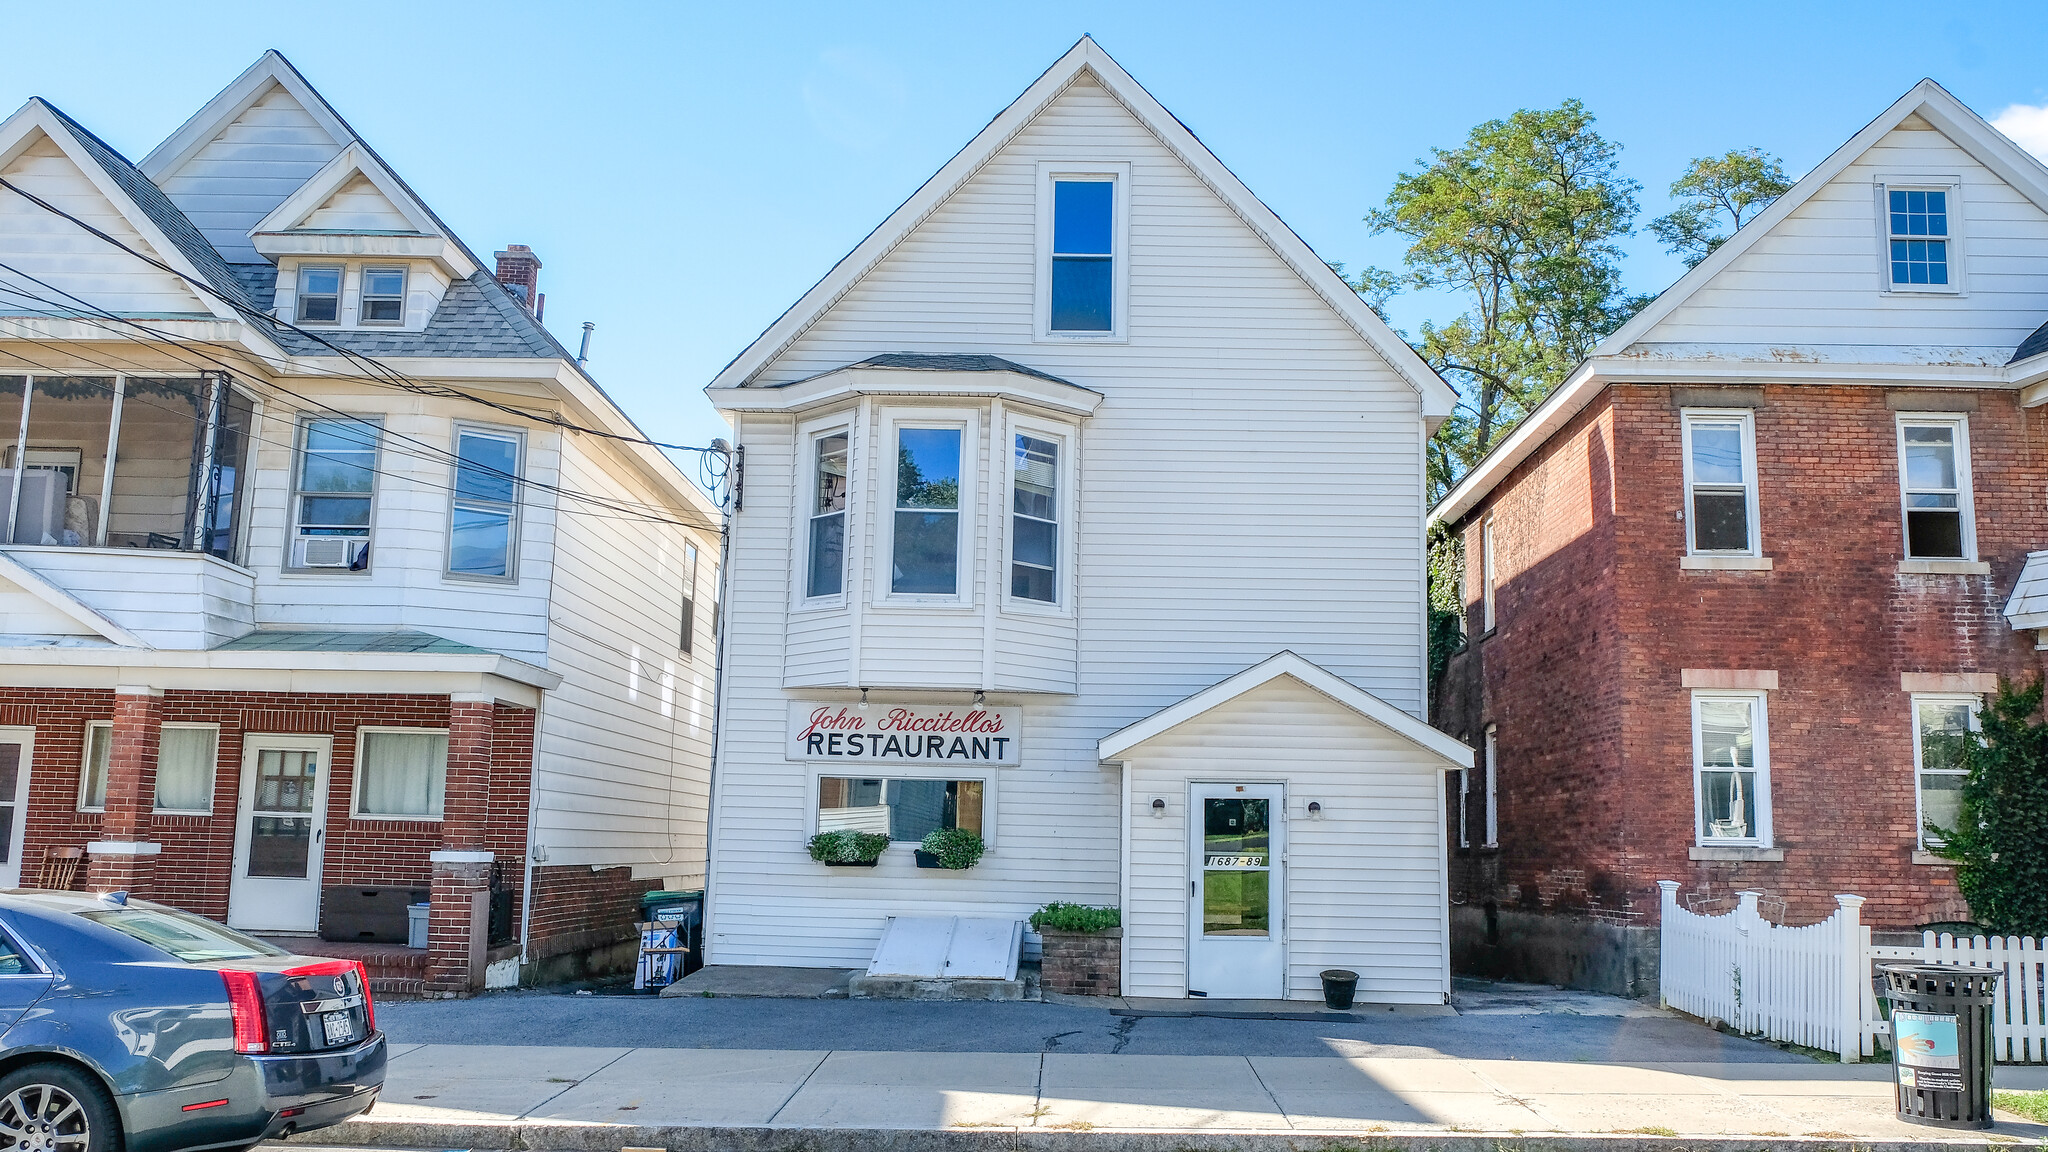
825,570
1731,768
401,773
1487,575
1460,779
925,544
1492,790
1083,265
483,526
319,294
689,636
334,491
1034,519
1934,479
1720,483
1919,238
383,296
1941,727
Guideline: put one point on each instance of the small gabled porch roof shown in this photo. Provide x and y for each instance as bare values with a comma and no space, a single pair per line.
1454,752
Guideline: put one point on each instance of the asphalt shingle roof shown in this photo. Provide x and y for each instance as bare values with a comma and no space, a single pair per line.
477,317
2033,345
945,362
315,641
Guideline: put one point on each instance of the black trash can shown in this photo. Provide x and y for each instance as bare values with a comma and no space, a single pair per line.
1941,1042
686,910
1340,987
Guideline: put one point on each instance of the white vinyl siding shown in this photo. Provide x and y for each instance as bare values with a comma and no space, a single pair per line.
233,181
71,261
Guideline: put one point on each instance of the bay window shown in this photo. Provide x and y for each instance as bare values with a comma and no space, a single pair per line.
825,569
401,773
1731,768
1941,728
925,546
1720,483
1034,519
483,528
1934,484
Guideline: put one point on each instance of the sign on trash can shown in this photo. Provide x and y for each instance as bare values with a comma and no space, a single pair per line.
1941,1042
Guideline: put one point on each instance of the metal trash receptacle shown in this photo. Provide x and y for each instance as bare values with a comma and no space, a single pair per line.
684,909
1942,1042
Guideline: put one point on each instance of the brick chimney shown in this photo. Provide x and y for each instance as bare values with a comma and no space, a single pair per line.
519,270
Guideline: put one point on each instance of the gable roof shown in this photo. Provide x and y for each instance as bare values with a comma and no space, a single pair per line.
1088,57
1927,100
1285,663
353,160
270,69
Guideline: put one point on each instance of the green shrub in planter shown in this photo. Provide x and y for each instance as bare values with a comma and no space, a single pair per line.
1063,917
954,847
848,847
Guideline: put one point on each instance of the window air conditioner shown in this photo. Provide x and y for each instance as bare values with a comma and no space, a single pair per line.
327,551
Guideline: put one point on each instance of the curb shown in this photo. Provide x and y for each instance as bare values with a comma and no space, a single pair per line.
689,1138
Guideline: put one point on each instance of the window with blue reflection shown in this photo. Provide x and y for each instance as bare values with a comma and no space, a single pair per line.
484,518
1919,236
1083,258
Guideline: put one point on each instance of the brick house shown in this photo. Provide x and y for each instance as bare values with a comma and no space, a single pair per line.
1730,586
329,582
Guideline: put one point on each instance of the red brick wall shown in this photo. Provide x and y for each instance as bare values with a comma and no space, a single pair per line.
576,907
1597,791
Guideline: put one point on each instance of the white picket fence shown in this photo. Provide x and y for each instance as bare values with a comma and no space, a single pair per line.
1811,985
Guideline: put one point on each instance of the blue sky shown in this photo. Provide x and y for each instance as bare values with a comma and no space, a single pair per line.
686,171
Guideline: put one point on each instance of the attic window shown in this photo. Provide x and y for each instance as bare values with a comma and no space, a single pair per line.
383,295
1921,235
319,295
1083,289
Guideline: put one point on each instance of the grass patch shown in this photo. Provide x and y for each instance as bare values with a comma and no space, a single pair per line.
1647,1130
2032,1105
1074,1126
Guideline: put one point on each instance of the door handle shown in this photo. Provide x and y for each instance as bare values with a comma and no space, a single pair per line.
319,835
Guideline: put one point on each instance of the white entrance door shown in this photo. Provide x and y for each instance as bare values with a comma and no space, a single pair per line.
1236,902
17,748
280,828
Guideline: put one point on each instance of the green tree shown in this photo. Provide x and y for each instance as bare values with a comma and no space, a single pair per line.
2000,841
1520,224
1730,188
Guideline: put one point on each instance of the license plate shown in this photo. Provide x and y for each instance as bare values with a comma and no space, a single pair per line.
340,1029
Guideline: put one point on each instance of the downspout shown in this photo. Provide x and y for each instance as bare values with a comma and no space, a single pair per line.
532,831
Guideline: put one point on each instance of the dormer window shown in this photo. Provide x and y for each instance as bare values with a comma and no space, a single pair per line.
319,294
383,296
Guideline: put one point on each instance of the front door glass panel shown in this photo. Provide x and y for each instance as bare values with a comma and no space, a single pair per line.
1236,871
281,824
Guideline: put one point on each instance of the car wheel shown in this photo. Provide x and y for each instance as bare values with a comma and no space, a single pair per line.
56,1108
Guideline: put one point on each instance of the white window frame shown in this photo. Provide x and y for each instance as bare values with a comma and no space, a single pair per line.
85,763
299,293
518,503
1953,186
1751,482
1488,576
215,778
884,771
1966,505
1459,807
298,464
355,783
1976,706
1119,256
1068,438
686,638
1762,736
806,509
363,296
968,421
1492,790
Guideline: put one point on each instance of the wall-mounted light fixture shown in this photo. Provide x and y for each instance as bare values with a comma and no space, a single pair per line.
980,697
1158,807
1315,809
863,699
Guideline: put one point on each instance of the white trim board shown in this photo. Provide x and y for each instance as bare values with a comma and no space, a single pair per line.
34,583
1455,752
1437,397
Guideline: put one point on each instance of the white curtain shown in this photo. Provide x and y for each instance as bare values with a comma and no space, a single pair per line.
184,769
401,773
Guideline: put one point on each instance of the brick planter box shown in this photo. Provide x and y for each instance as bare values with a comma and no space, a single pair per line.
1083,963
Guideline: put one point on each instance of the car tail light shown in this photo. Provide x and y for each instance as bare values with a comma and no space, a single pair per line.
338,968
245,1004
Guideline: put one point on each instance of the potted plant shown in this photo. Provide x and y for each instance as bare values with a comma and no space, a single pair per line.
954,848
848,849
1082,948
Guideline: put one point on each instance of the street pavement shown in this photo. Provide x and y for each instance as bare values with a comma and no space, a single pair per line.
588,1072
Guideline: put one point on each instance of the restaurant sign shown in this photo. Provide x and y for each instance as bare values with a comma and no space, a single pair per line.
938,735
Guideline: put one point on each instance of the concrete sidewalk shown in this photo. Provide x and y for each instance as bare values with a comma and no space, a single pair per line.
477,1096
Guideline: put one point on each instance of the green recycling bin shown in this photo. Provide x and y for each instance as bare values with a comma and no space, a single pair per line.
685,908
1941,1042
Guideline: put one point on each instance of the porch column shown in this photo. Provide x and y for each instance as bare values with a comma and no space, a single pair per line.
124,858
458,924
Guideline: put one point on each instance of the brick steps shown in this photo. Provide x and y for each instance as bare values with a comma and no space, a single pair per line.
396,971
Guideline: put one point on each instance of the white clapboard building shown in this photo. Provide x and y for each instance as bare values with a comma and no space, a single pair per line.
1082,507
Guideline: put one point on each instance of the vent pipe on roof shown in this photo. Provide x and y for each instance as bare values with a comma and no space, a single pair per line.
583,353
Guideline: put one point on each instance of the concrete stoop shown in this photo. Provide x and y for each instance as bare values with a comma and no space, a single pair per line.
915,988
555,1137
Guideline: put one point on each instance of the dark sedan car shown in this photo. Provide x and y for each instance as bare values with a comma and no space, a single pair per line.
132,1027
